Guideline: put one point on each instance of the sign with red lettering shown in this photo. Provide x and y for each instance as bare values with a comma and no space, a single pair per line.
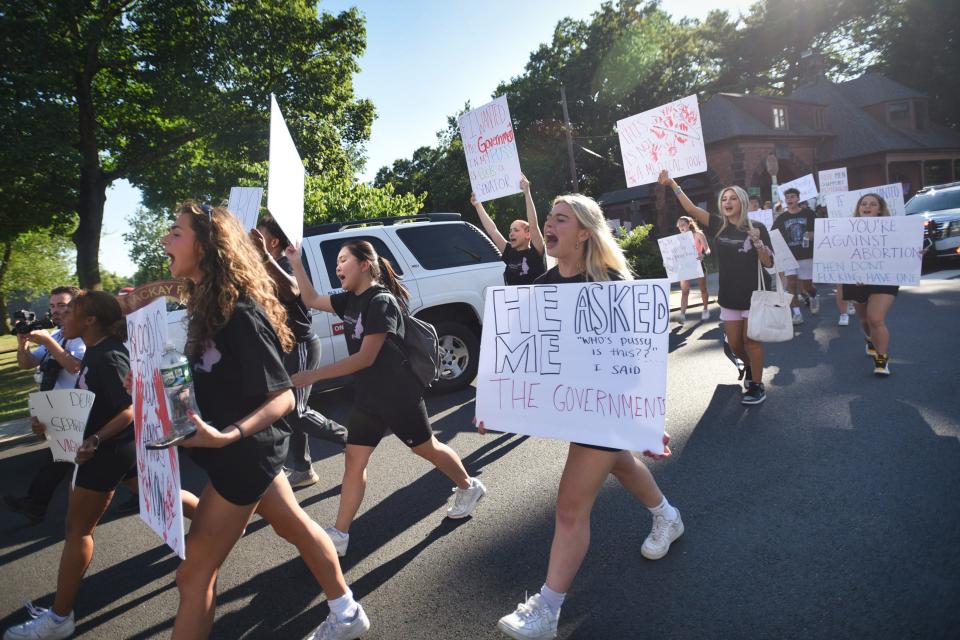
491,149
64,414
577,362
669,137
158,471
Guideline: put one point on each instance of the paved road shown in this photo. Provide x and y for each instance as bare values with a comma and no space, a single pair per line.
829,511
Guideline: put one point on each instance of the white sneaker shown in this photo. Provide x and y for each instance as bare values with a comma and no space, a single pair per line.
705,315
851,309
339,538
797,318
465,500
333,629
844,320
533,620
814,304
41,626
681,318
301,479
662,535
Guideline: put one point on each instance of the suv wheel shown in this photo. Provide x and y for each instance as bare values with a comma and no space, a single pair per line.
459,356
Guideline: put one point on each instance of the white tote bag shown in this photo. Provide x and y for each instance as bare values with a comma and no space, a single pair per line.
769,319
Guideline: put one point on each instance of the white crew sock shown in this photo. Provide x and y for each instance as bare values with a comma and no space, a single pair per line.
553,599
665,509
56,618
344,607
796,311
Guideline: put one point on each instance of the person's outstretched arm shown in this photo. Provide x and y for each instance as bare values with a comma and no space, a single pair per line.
702,217
308,294
536,236
488,225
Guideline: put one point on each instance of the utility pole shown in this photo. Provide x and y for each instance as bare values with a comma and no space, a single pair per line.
566,120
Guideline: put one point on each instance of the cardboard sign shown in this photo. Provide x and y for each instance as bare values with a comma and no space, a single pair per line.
286,179
833,181
491,149
806,186
842,205
245,204
158,472
64,412
669,137
763,216
783,259
578,362
880,251
679,254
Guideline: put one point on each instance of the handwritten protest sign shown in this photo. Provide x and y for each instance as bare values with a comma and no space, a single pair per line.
245,204
833,181
286,180
158,471
669,137
578,362
805,184
841,205
783,259
491,149
883,251
763,216
64,412
679,253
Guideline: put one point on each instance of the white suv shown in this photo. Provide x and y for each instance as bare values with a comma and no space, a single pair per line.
445,263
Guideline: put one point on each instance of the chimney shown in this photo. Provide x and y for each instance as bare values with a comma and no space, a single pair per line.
812,65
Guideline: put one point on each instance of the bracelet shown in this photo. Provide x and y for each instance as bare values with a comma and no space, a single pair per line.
96,446
239,430
677,189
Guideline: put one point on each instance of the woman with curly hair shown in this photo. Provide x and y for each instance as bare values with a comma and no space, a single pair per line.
236,337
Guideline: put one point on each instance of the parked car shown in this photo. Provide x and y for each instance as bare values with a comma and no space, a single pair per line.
444,262
940,207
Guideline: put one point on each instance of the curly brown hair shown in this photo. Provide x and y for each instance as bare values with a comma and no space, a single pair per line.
231,269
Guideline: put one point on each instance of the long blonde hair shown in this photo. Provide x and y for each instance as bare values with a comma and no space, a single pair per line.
601,253
231,270
744,223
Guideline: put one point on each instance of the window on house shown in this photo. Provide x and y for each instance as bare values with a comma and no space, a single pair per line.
898,113
818,119
779,117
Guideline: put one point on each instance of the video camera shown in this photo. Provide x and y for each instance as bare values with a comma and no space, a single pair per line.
26,321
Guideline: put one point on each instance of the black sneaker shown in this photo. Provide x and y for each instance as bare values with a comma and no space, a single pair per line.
754,394
880,366
25,506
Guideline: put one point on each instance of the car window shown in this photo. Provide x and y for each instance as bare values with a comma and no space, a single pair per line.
330,248
934,201
441,246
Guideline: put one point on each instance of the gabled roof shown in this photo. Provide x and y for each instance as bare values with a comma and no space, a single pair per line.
873,88
723,118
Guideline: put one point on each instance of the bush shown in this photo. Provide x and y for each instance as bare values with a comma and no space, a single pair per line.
642,252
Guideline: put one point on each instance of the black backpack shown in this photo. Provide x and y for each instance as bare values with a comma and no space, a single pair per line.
421,346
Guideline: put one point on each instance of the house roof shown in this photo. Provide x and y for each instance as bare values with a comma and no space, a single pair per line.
873,88
690,183
723,117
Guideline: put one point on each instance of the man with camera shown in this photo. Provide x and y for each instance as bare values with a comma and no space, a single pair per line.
57,362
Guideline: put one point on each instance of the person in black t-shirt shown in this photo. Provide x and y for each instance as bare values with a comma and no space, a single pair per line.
304,421
373,307
523,253
106,457
576,234
236,336
741,246
796,226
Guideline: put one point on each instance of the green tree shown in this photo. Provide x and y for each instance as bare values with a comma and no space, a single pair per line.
339,199
112,282
31,264
174,96
147,227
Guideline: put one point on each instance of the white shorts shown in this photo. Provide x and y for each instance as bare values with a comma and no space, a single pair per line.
805,272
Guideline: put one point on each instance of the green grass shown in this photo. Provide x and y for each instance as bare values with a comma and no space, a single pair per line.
15,383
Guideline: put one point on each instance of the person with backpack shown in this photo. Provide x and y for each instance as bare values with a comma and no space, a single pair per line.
388,393
523,252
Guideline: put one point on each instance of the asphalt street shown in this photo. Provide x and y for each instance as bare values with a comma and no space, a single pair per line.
829,511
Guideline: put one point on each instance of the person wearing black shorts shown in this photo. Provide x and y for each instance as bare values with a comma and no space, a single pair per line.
106,457
523,251
873,302
373,306
236,336
576,234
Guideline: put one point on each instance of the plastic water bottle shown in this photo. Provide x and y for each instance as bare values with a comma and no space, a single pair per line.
805,242
178,386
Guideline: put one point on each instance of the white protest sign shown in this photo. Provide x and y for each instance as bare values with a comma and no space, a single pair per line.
669,137
881,251
577,362
64,412
783,259
805,185
679,254
841,205
833,181
491,149
158,471
245,204
763,216
286,179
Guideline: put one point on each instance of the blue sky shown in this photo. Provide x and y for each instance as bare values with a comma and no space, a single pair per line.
424,60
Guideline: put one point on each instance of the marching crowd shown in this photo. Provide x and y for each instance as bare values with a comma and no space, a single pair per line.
254,359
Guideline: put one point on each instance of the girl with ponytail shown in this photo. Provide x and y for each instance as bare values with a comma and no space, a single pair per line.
373,307
106,458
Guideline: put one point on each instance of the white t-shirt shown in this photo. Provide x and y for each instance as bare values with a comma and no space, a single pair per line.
75,347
